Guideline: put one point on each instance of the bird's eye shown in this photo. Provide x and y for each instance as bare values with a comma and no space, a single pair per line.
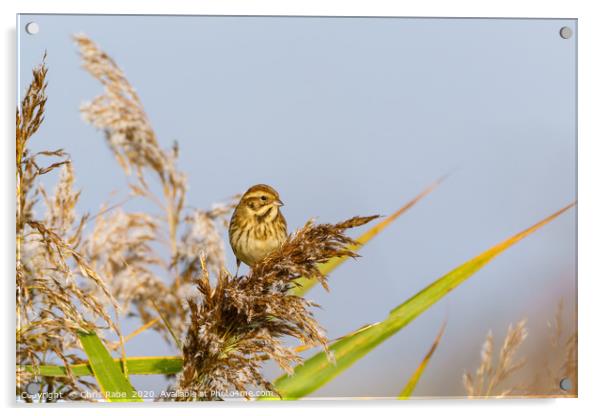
264,198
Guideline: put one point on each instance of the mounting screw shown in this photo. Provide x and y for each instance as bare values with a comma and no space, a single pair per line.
566,32
32,28
33,388
565,384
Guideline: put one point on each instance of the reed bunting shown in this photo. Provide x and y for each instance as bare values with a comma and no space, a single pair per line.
257,226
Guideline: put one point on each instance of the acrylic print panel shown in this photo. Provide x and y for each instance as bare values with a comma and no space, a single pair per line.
152,267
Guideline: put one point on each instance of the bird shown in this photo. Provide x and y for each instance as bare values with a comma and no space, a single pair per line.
257,226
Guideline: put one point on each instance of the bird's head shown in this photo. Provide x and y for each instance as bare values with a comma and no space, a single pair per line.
262,201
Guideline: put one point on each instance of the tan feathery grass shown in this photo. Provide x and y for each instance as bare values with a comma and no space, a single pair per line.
240,322
555,361
492,373
53,252
202,235
124,244
53,278
120,114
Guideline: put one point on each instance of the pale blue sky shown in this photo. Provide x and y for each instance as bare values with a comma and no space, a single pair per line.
354,116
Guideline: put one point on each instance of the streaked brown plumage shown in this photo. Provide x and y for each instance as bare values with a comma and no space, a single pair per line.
257,226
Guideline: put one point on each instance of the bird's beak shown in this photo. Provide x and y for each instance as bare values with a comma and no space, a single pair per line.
278,203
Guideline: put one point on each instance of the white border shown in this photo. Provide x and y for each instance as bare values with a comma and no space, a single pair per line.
590,187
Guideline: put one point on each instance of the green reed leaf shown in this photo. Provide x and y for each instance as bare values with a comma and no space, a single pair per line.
113,383
411,384
135,365
319,370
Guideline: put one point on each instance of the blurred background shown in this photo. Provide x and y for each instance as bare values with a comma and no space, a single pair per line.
355,116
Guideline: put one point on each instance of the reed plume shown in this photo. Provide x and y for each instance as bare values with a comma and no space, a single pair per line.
125,245
556,362
240,322
491,373
54,280
553,363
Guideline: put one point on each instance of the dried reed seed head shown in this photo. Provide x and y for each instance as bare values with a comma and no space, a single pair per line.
304,250
120,114
490,375
558,361
240,322
31,114
202,237
60,208
53,278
